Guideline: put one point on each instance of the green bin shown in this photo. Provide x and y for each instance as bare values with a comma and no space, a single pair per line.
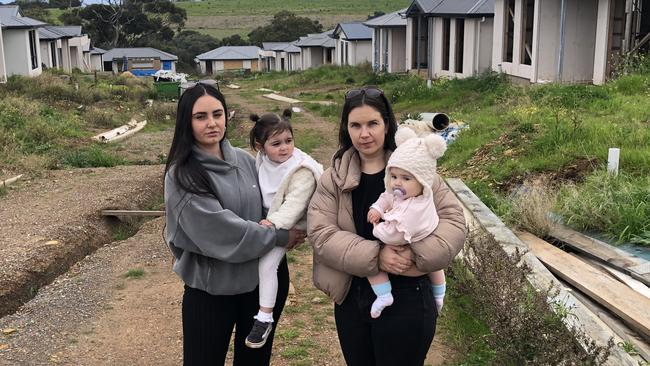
167,89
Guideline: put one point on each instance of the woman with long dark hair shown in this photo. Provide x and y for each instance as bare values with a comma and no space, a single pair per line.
214,206
346,252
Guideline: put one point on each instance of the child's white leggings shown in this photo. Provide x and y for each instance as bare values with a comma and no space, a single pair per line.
268,271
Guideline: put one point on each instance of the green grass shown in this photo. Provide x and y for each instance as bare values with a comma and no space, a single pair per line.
220,33
300,7
90,157
308,140
135,273
46,122
618,205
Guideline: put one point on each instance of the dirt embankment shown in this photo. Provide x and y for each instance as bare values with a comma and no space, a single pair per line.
50,223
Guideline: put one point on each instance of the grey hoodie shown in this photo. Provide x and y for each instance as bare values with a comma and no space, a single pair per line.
216,243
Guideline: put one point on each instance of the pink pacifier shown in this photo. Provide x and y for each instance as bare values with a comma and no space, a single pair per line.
399,193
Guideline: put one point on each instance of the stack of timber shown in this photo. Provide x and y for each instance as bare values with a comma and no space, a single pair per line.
480,217
120,133
606,295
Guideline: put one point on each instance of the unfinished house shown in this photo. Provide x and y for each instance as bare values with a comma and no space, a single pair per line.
65,47
280,56
388,42
20,42
229,59
316,49
353,43
144,61
450,38
578,41
96,63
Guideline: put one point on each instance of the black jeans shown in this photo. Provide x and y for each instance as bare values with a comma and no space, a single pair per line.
208,322
402,334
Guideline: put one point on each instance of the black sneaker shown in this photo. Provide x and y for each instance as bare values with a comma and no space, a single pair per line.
258,335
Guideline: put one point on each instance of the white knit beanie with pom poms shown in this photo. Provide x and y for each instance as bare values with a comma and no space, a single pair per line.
416,155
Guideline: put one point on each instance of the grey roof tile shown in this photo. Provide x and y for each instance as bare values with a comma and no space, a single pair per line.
142,52
231,53
354,31
393,19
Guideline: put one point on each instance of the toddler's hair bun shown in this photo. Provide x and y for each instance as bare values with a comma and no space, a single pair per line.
287,113
254,117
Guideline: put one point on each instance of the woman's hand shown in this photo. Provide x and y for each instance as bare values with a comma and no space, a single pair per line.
296,237
393,260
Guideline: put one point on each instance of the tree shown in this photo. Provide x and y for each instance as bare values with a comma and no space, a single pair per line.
285,27
187,45
234,40
125,23
375,15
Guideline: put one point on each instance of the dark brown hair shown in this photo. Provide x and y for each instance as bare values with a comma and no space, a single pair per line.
269,124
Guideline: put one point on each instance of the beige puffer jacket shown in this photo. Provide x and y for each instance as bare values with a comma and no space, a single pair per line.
339,253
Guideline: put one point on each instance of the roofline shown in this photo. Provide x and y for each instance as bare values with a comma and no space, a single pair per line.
385,26
458,15
22,26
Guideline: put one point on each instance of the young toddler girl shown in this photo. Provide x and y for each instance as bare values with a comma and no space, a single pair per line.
407,207
287,180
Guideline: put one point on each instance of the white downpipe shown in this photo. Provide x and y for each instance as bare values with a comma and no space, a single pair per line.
612,161
560,54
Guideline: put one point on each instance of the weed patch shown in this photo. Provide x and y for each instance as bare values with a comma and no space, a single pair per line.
91,157
135,273
522,328
617,206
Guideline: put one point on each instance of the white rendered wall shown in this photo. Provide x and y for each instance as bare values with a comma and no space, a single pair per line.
96,63
18,61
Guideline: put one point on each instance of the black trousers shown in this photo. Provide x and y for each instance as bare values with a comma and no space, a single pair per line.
402,334
208,322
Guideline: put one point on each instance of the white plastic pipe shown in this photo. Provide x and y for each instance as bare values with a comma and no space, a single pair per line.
612,161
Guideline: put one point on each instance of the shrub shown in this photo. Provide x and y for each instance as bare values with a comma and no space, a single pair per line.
524,330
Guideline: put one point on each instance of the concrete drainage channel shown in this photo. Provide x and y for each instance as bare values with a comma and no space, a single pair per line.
47,260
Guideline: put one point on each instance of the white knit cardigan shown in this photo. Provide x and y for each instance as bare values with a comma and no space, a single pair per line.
289,206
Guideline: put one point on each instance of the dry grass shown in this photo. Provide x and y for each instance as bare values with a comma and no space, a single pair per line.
530,206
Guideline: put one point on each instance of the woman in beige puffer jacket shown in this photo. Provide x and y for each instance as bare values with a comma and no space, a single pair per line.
345,252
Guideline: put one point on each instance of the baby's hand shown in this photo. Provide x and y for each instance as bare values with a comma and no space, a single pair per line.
373,216
266,222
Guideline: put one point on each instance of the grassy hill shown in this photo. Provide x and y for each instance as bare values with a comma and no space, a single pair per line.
224,18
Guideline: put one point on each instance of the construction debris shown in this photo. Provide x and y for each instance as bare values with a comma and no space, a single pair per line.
121,132
266,90
280,98
233,86
9,181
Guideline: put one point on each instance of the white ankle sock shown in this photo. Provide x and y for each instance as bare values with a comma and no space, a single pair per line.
264,317
380,303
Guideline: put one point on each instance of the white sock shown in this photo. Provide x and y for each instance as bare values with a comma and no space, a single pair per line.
264,317
380,303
